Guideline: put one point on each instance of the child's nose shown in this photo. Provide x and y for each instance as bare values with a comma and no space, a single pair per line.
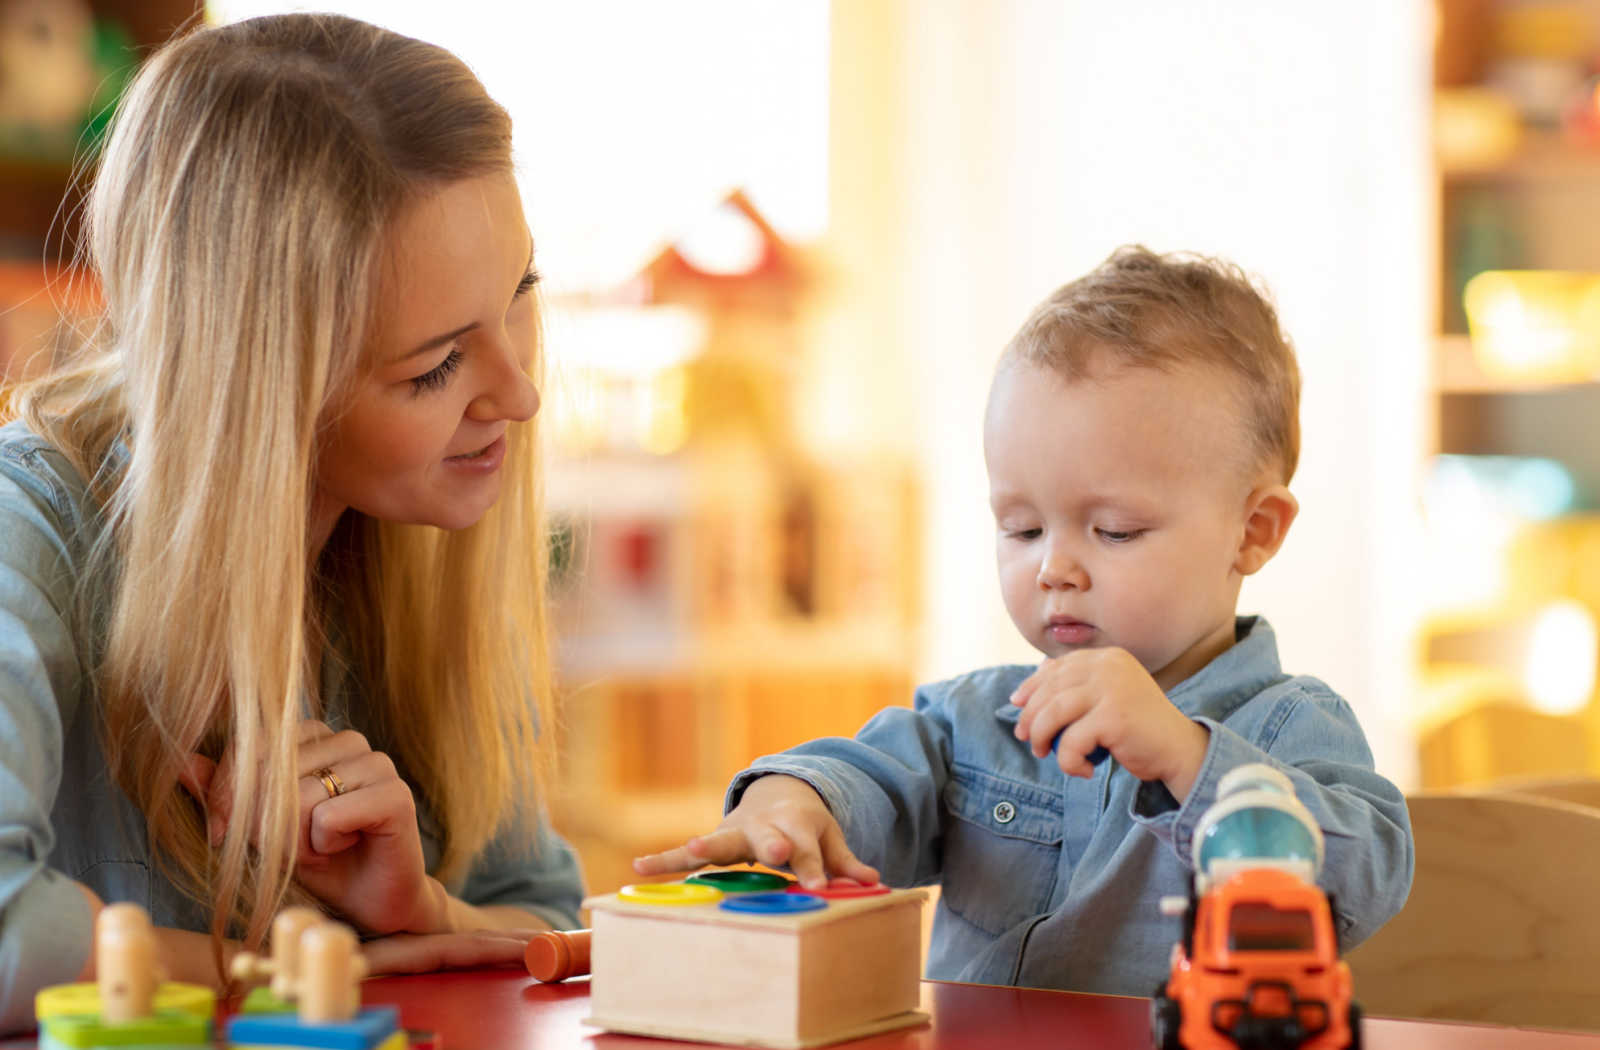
1061,570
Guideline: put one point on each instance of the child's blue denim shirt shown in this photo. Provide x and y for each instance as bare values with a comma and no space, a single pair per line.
1054,881
62,818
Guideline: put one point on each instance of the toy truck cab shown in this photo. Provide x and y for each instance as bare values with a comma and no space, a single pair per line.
1258,968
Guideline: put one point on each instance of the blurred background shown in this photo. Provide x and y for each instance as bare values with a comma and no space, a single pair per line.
784,240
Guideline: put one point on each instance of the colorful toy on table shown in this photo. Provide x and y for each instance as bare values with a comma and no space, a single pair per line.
128,1005
282,968
723,958
1258,964
560,955
327,997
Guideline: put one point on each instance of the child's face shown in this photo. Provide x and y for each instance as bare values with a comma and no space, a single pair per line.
1120,507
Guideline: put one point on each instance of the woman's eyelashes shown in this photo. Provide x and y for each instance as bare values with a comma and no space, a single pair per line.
436,377
439,375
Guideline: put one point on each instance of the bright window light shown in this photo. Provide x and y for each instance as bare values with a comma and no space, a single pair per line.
635,118
1559,669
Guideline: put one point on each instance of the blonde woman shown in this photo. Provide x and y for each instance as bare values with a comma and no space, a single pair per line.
271,556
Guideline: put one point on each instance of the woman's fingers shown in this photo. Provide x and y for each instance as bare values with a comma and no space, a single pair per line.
377,809
424,953
321,783
330,750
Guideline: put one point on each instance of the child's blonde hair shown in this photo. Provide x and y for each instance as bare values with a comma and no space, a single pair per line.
1164,311
237,226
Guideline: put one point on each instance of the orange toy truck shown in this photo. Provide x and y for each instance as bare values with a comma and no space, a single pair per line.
1258,964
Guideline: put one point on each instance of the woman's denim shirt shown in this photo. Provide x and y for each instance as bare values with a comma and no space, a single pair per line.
1054,881
62,818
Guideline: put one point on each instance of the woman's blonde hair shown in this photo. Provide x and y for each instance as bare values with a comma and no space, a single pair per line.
236,225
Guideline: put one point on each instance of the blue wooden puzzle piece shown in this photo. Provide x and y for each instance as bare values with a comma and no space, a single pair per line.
368,1030
1094,758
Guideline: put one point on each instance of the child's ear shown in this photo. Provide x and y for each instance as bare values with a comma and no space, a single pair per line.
1269,511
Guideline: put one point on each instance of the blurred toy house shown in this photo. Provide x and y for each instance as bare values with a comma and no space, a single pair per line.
1508,647
722,593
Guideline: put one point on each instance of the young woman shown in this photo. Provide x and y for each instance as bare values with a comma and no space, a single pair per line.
271,553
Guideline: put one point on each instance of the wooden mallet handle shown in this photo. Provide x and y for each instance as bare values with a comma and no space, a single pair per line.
556,955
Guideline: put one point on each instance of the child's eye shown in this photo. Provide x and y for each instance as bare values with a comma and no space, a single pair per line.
1119,535
1023,534
437,376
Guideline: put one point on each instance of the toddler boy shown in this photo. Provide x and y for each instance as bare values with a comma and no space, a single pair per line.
1141,432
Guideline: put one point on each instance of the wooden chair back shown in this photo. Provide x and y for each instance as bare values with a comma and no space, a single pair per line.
1503,922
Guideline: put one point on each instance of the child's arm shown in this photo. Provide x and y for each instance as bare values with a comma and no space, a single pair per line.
1312,735
880,790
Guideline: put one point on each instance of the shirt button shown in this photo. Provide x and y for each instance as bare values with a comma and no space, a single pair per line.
1004,812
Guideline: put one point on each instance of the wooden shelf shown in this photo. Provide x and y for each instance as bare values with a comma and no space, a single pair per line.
1456,371
1542,156
30,282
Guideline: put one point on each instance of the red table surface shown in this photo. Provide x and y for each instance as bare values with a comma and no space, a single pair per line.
507,1010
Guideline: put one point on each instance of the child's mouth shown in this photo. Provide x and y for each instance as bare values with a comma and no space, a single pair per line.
1070,632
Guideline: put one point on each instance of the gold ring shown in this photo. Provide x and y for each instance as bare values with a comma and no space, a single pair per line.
330,781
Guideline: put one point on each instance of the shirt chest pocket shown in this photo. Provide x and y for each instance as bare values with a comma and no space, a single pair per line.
1002,849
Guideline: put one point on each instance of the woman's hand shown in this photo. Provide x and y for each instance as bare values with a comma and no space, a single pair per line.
424,953
360,851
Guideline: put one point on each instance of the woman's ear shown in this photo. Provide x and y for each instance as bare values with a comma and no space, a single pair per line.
1269,511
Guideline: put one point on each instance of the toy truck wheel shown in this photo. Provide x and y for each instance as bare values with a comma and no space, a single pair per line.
1166,1017
1355,1027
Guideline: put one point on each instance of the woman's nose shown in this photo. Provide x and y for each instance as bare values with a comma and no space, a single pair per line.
509,392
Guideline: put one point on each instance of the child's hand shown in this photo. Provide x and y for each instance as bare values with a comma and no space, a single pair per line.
780,820
1104,698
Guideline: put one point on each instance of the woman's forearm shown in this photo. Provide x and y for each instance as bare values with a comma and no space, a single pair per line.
185,955
457,916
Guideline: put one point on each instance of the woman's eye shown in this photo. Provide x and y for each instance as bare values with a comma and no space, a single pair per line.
436,377
525,285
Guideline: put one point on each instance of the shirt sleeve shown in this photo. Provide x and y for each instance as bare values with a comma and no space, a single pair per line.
528,866
883,786
45,921
1314,738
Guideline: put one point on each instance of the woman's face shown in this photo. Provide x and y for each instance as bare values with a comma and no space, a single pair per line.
422,437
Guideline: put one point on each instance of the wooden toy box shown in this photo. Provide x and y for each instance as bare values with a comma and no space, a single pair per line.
786,981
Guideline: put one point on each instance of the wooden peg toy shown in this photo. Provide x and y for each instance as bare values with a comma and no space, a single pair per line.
129,1003
771,969
283,967
327,994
